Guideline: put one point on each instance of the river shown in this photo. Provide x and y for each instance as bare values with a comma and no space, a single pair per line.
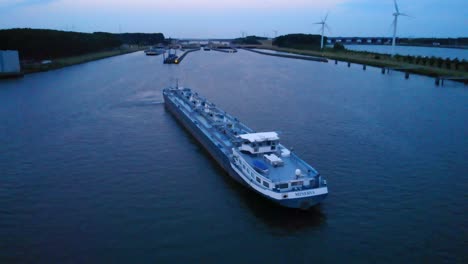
94,169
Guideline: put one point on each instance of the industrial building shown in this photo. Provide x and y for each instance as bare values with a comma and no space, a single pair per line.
9,63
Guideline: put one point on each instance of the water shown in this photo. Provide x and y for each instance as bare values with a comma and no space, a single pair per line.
414,51
94,169
283,53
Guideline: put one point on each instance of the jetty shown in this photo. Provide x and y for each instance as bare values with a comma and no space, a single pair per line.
226,50
291,56
440,80
179,60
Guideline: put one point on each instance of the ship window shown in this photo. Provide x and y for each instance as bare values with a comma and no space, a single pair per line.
298,183
258,180
282,186
266,184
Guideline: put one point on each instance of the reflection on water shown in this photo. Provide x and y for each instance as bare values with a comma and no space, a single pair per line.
283,221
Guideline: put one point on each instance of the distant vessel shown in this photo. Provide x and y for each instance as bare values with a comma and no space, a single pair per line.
171,58
257,160
154,51
206,48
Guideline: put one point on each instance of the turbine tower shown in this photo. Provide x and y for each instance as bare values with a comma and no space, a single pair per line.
324,24
395,22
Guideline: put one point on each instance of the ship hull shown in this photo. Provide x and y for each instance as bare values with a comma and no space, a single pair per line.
223,160
209,145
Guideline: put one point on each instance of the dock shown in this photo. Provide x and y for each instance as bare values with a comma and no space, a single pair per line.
291,56
179,60
440,80
225,50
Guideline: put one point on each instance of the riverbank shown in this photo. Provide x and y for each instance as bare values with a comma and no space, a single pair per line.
69,61
376,60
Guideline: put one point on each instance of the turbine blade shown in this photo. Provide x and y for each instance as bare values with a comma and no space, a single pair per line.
326,16
328,28
396,6
406,15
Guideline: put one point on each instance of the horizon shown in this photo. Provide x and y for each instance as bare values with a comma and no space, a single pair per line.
207,19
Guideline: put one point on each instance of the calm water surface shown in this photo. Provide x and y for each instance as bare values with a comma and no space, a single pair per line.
94,169
461,54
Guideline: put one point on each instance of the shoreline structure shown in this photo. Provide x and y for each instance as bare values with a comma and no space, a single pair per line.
367,59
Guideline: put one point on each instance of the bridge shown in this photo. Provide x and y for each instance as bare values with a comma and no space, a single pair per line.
360,40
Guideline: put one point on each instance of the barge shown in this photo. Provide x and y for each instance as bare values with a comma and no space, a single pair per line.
257,160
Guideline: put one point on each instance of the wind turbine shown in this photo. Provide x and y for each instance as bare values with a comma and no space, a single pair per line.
395,21
324,24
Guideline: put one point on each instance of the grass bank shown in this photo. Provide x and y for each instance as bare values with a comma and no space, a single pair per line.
401,63
68,61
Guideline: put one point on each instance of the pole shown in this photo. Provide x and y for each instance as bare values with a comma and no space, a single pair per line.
321,41
394,34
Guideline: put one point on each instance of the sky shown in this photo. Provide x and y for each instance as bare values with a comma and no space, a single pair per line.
230,19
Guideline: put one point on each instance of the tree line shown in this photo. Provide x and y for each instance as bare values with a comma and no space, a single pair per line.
142,39
38,44
249,40
299,41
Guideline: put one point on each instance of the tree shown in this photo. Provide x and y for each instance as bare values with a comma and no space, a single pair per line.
338,46
448,63
456,63
418,59
440,61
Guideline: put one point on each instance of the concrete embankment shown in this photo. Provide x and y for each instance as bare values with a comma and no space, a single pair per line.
229,50
69,61
179,60
291,56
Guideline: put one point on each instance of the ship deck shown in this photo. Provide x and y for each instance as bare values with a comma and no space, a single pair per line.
284,173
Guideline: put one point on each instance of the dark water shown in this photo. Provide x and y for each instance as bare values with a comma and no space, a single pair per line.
94,169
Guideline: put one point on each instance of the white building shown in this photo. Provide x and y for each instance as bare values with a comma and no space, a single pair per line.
9,61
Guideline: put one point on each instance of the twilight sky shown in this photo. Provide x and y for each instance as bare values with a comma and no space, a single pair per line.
227,19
